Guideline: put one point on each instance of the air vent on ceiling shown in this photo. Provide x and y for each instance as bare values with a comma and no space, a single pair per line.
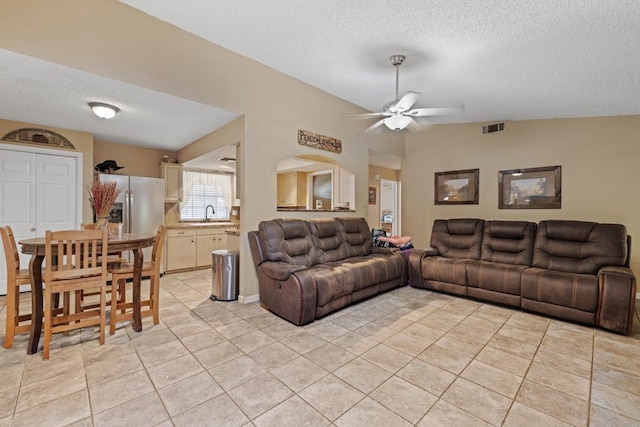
227,159
496,127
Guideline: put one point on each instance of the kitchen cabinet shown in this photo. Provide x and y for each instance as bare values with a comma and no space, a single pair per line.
292,189
233,241
172,174
181,249
208,240
190,247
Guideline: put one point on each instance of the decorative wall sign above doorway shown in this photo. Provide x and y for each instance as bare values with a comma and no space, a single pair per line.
318,141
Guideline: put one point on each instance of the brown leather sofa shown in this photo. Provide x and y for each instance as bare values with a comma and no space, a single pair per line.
572,270
310,268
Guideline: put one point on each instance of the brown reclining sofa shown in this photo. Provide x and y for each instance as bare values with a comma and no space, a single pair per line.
310,268
572,270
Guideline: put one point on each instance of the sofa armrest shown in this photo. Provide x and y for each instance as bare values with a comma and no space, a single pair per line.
616,305
280,270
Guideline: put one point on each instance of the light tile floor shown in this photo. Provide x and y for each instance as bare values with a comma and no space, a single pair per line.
407,357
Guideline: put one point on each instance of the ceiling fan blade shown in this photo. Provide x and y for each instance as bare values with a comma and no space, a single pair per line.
434,111
414,127
363,116
373,126
407,101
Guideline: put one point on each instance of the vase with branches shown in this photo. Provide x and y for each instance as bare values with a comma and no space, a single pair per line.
102,196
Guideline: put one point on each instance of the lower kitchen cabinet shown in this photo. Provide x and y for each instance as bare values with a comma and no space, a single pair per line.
206,241
189,248
181,249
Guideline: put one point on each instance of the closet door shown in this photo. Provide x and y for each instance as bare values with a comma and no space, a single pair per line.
38,192
55,193
17,201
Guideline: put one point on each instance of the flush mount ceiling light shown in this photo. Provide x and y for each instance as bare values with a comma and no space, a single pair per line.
397,122
102,110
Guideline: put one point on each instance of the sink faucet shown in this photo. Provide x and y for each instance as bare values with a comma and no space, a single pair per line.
206,210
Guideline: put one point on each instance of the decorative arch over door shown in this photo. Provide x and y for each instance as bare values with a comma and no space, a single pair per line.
38,136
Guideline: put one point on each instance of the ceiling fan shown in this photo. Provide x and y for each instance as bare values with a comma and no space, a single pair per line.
398,114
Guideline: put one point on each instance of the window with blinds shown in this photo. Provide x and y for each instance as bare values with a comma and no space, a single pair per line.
201,189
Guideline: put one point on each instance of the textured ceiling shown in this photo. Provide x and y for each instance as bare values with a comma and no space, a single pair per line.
36,91
505,60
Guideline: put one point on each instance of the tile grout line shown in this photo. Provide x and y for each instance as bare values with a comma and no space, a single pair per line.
524,377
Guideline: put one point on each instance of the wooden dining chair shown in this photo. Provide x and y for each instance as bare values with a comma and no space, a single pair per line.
122,310
71,265
85,299
113,227
16,323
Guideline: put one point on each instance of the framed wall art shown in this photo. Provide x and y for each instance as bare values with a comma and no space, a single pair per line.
533,188
457,187
372,195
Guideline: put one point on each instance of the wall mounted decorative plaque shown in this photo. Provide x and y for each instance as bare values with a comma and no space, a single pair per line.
318,141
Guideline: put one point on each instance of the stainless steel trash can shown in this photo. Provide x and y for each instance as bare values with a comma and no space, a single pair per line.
224,278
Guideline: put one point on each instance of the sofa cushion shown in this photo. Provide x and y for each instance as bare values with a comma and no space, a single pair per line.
458,238
494,276
576,291
508,242
328,237
357,236
373,269
447,270
332,281
288,240
578,246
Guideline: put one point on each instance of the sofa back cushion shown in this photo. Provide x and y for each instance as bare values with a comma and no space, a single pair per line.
357,236
288,240
579,246
329,239
459,238
508,242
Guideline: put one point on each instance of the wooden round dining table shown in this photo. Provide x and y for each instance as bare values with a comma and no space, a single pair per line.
117,243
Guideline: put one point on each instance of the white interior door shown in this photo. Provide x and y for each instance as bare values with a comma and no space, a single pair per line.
389,207
56,193
39,191
17,201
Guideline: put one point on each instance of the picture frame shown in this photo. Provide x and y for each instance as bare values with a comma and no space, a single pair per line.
372,195
532,188
457,187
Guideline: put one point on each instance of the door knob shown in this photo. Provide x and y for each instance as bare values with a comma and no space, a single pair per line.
33,230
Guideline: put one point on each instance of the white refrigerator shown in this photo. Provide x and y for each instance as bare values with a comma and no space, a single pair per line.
139,207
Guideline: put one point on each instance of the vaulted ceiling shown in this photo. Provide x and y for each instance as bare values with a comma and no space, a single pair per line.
503,60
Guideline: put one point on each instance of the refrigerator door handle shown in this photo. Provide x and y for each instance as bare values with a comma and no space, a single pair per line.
127,211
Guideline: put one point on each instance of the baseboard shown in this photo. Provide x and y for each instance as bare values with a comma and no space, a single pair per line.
249,299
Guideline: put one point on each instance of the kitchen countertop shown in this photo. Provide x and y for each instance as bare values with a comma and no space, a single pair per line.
210,224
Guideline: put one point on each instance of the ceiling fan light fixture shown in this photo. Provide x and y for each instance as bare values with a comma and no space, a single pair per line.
397,122
102,110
